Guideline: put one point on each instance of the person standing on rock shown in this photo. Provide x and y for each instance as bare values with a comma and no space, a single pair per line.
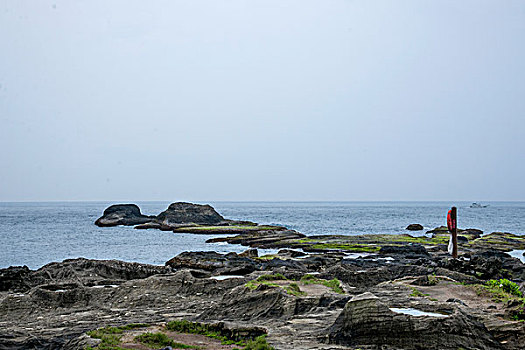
452,224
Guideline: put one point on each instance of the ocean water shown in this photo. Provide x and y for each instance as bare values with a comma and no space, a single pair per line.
35,234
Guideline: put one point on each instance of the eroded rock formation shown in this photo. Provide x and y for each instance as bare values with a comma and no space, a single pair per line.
366,319
51,308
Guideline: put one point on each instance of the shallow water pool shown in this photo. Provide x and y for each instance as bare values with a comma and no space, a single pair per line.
415,312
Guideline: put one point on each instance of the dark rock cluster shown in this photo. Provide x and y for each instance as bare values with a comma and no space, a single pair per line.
177,213
61,301
180,217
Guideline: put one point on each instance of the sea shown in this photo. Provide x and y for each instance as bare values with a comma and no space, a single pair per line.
37,233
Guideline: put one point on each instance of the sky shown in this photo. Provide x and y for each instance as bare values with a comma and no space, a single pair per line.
262,100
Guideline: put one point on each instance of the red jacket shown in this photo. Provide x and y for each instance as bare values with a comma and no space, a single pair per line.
451,224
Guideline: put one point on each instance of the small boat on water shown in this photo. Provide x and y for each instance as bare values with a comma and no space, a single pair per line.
477,205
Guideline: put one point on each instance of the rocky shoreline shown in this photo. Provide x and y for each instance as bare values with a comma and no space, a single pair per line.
318,292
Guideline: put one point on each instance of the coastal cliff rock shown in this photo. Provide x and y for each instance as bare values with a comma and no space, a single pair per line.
122,214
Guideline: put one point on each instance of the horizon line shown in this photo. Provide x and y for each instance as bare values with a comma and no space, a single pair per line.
255,201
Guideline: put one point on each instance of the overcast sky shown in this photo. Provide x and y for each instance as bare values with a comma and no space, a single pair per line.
262,100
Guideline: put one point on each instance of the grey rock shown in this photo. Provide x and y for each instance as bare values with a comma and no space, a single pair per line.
231,263
262,239
14,278
183,213
415,227
487,264
177,215
462,239
455,300
471,233
291,253
83,272
439,230
366,320
250,253
61,301
408,251
122,214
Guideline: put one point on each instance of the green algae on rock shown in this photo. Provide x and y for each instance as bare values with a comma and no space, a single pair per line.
503,241
202,229
371,243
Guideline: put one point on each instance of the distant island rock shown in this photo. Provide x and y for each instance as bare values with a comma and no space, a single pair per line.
183,213
122,214
182,217
176,214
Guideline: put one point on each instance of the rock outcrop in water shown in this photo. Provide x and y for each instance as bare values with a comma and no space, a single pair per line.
177,214
185,213
414,227
122,214
180,217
